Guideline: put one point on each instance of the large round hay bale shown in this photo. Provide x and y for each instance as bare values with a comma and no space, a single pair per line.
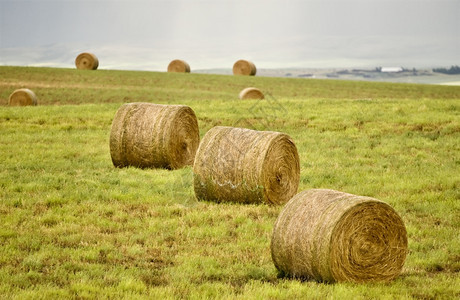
149,135
22,97
86,61
178,66
244,67
246,166
251,93
332,236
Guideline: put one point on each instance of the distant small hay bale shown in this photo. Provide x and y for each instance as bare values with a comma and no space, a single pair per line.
246,166
244,67
86,61
251,93
332,236
22,97
178,66
149,135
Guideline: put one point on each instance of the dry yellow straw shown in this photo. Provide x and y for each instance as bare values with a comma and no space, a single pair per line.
246,166
251,93
86,61
244,67
22,97
179,66
149,135
331,236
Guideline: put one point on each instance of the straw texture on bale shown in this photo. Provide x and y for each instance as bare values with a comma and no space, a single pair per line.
244,67
332,236
251,93
22,97
246,166
179,66
149,135
86,61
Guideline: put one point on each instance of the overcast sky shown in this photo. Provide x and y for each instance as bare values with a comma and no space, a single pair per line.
131,34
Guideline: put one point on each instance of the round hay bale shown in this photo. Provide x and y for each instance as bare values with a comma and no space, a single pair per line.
244,67
149,135
22,97
246,166
178,66
251,93
333,236
86,61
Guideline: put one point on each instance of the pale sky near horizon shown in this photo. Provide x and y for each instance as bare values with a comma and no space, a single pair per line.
131,34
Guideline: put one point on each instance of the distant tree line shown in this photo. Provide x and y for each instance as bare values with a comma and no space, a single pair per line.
452,70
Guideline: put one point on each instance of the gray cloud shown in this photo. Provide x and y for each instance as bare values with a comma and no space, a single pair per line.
215,33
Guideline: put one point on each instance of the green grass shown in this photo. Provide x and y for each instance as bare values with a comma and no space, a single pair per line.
73,226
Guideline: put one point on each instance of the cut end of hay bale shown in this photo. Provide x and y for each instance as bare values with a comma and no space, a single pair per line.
244,67
332,236
147,135
22,97
178,66
246,166
251,93
86,61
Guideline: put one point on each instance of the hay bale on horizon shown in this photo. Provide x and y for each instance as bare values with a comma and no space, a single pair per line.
86,61
22,97
246,166
251,93
179,66
147,135
333,236
244,67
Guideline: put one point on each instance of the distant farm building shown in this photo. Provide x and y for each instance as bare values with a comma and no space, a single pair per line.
391,69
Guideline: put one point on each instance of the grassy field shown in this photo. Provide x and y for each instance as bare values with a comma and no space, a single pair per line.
73,226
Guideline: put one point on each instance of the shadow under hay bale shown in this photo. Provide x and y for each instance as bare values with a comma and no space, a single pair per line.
332,236
178,66
246,166
22,97
86,61
251,93
149,135
244,67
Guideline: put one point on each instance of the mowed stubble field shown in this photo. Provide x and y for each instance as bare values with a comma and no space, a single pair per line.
73,226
